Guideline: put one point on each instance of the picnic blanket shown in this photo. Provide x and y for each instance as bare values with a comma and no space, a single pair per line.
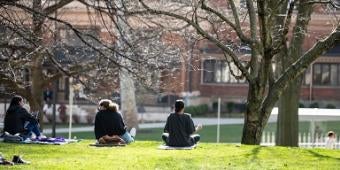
107,145
45,141
51,141
165,147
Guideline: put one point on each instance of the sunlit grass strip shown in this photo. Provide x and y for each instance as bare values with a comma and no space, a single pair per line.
145,155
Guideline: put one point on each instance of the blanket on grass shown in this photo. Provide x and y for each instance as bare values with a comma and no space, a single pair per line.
107,145
165,147
44,141
51,141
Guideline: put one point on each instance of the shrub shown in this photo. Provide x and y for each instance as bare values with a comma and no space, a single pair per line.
230,107
197,110
314,105
301,105
330,106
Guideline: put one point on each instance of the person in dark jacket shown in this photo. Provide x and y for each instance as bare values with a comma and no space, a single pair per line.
179,128
109,124
18,121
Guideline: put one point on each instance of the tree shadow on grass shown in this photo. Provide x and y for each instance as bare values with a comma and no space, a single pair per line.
320,156
252,156
254,153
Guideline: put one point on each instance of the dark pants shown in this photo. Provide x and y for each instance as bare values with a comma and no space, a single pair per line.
29,128
194,138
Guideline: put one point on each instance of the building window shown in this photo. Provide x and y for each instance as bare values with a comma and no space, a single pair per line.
61,84
218,71
324,74
334,51
71,38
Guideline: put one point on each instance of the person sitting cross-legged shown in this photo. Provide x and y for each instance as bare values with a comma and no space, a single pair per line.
179,128
109,126
18,122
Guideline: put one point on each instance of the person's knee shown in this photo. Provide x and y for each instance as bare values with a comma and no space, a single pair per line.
197,138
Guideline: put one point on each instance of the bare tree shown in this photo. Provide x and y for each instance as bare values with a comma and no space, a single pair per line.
264,26
23,48
39,47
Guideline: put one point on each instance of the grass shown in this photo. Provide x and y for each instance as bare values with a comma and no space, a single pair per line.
229,133
145,155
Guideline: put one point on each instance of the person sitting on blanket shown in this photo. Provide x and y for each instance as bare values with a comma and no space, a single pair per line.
179,128
19,122
109,127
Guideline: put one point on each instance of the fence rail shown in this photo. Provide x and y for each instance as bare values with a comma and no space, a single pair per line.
306,140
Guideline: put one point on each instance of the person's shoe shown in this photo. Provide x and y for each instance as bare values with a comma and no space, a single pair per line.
18,160
41,136
133,132
3,161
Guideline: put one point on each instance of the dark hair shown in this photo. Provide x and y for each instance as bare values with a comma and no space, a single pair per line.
330,133
105,103
179,105
15,101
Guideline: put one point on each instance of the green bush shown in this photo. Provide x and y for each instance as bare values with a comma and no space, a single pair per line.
230,107
198,110
330,106
301,105
314,105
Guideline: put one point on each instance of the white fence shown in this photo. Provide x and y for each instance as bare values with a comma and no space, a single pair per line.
305,140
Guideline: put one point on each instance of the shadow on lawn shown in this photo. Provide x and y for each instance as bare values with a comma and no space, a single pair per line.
254,153
320,156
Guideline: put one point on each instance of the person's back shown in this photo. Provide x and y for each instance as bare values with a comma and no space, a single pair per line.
108,123
15,119
18,120
179,127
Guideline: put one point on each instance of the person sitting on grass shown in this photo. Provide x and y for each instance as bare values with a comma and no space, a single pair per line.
179,128
330,140
109,127
19,122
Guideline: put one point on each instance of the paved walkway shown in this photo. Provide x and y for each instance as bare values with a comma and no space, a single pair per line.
204,121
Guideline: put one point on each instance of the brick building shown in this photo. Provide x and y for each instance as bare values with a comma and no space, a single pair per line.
204,76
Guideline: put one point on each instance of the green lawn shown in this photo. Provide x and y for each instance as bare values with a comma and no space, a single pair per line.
145,155
229,133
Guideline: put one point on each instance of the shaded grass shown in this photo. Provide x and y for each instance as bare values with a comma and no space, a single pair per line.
229,133
145,155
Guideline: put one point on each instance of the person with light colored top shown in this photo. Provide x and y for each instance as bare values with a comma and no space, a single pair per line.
330,140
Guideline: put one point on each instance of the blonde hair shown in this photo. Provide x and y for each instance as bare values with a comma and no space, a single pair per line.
114,106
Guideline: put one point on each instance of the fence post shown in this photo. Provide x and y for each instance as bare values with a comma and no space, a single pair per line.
263,137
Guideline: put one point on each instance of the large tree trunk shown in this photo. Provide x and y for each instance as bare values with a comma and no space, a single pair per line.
252,128
288,119
36,102
128,99
37,77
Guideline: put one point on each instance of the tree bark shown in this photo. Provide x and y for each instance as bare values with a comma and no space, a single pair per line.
288,119
128,99
252,128
127,86
288,116
37,63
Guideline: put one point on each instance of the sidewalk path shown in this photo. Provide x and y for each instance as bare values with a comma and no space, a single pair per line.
204,121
